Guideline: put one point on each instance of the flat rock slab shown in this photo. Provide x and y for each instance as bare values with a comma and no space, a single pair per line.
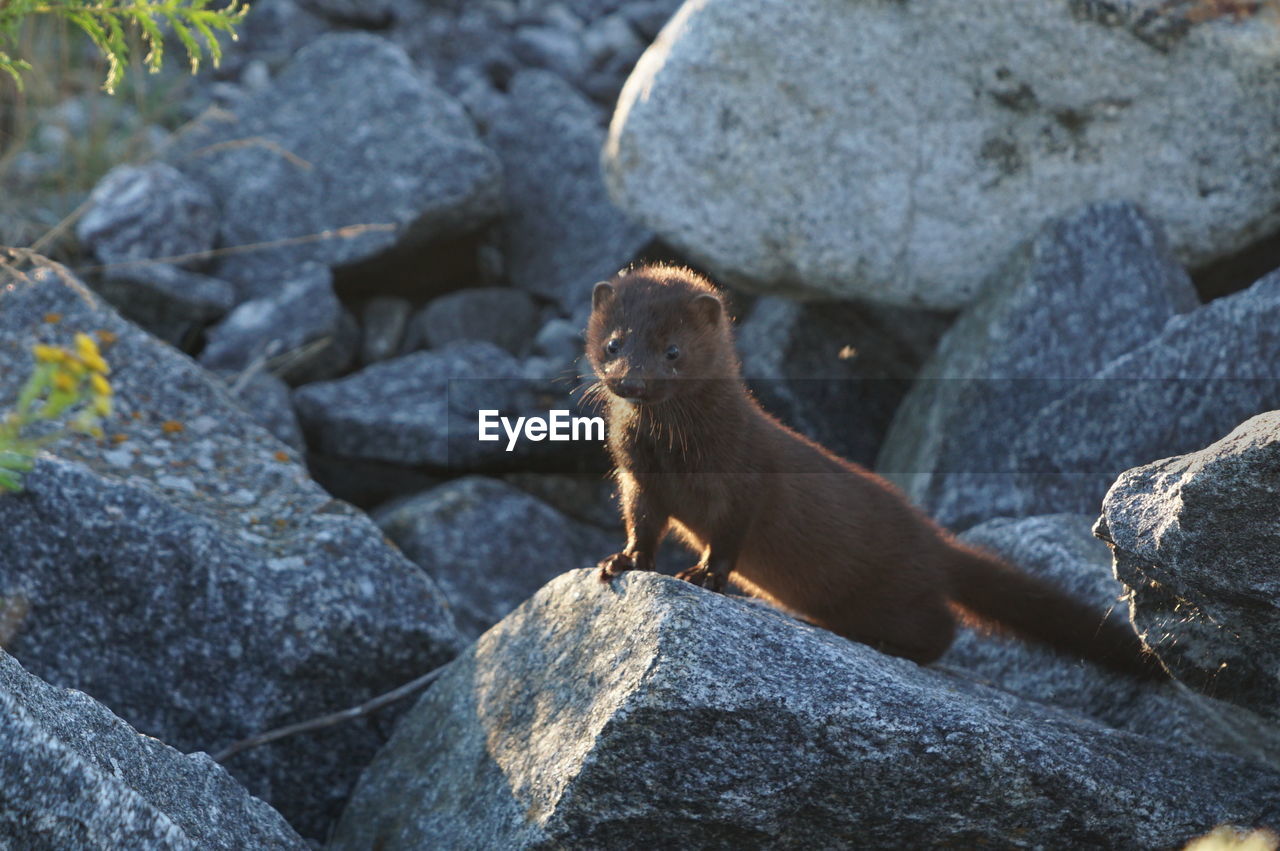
1205,373
650,713
895,151
1091,286
375,144
1198,539
422,410
73,775
188,574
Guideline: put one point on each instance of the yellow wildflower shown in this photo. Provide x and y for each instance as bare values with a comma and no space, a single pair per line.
64,381
102,406
100,385
87,350
49,354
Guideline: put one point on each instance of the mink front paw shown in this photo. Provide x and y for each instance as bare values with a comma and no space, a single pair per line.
620,562
703,576
611,566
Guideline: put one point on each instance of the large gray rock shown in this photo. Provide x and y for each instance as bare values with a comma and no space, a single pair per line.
1090,287
650,713
72,775
894,151
561,232
301,327
193,579
836,372
1198,540
377,144
1203,374
148,212
489,545
1061,549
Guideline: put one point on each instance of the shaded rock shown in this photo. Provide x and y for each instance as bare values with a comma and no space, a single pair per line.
561,341
275,31
423,409
299,159
488,545
150,211
72,775
382,321
863,150
648,17
612,47
648,713
368,484
1061,549
194,580
561,232
835,372
551,48
1205,372
302,329
589,498
170,302
1196,538
1090,287
373,14
503,316
267,398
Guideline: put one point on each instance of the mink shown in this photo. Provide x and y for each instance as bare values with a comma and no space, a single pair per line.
780,516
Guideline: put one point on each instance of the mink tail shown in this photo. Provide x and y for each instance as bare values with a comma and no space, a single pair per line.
1012,601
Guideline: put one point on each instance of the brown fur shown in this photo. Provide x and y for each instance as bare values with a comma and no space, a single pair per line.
781,516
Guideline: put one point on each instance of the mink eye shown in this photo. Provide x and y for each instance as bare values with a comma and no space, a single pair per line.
673,352
613,346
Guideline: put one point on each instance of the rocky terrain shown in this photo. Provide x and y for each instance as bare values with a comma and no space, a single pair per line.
1022,260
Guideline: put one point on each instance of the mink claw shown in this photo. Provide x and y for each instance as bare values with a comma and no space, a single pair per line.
615,564
696,575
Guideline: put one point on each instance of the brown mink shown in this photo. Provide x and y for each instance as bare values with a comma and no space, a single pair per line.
783,517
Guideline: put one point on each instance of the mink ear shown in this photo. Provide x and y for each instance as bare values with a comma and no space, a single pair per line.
601,295
708,308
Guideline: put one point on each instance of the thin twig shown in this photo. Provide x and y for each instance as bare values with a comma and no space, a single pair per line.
347,232
67,221
252,142
366,708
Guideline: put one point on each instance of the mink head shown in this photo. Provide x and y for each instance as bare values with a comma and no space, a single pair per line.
656,332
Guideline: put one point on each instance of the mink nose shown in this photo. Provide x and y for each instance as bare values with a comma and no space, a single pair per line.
631,388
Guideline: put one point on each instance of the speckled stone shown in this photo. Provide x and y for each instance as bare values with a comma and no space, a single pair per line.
1198,539
298,159
188,574
649,713
72,775
897,151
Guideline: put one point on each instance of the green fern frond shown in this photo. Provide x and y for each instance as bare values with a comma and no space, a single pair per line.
105,23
